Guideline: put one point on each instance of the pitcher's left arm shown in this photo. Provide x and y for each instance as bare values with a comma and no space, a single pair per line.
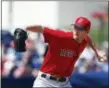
101,57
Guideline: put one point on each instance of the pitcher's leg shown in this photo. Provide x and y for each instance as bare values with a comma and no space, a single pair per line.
40,83
68,85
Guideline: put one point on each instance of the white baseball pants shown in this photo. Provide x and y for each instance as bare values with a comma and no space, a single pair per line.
46,82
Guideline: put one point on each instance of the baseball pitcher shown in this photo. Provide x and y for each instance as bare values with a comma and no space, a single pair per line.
64,49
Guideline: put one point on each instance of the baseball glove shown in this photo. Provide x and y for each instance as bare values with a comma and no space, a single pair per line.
19,40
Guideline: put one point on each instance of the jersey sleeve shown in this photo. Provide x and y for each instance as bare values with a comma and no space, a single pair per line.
52,34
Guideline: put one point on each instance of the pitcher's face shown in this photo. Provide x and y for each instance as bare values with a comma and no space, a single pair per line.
80,33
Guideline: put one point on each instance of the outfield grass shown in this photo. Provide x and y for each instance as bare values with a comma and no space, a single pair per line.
103,35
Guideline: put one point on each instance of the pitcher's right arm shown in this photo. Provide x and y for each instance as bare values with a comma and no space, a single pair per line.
49,34
39,29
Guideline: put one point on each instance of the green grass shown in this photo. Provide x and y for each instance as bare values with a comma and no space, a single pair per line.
99,35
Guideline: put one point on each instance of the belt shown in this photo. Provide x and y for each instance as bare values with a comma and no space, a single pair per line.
59,79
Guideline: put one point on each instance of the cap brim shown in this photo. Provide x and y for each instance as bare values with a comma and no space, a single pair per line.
78,26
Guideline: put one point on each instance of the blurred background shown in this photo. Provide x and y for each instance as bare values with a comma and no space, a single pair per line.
18,70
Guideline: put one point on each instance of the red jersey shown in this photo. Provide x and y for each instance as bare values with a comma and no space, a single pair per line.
63,52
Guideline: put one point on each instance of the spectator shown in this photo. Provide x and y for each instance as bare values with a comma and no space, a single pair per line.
6,38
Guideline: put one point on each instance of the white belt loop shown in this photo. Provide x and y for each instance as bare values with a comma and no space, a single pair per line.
47,75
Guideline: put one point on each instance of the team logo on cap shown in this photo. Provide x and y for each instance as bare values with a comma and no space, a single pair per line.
80,20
